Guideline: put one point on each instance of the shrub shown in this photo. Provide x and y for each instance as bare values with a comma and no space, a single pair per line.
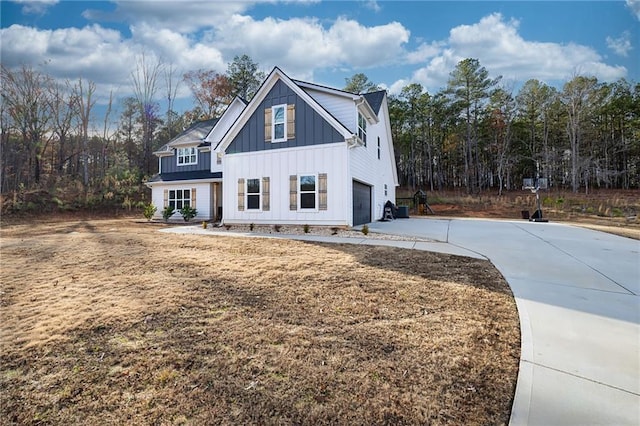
306,229
149,211
167,212
188,213
617,212
365,229
276,228
251,226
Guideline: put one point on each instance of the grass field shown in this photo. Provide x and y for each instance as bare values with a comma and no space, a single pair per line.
112,322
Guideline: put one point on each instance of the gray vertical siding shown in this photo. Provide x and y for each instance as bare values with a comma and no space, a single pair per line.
311,128
170,164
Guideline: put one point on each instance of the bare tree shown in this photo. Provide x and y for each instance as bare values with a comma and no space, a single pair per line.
107,135
502,112
84,93
64,109
26,97
145,86
171,85
578,97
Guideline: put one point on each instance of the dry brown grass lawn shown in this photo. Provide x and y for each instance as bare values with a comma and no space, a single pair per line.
112,322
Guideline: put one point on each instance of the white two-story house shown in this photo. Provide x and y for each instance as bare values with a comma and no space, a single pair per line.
297,153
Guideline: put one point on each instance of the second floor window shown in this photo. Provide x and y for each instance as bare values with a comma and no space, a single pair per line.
187,156
362,129
279,123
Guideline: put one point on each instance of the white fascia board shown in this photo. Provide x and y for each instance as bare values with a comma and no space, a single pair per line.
181,182
268,84
366,110
384,109
216,134
326,89
185,144
163,153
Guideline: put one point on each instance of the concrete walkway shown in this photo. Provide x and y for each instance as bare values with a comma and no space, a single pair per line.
577,293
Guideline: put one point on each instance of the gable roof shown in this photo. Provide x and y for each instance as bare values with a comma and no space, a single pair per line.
274,76
339,92
375,99
193,135
369,111
217,133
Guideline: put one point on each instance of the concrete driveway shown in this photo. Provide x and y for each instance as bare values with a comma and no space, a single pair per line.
578,298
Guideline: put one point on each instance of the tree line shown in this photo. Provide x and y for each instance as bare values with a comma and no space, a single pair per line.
52,138
475,133
478,134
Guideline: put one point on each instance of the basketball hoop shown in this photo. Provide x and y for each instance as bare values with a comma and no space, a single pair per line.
534,185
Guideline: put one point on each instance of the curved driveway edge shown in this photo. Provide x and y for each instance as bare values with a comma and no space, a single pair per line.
577,294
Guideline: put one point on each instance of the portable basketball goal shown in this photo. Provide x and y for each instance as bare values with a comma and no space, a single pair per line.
535,185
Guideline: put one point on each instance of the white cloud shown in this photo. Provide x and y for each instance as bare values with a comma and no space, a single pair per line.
499,47
423,52
373,5
93,52
620,45
634,5
180,15
35,7
300,45
182,51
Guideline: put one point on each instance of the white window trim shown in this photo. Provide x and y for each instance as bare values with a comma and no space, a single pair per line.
300,192
364,131
193,154
175,200
273,123
246,195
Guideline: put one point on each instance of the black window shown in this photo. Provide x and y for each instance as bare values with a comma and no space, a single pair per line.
253,194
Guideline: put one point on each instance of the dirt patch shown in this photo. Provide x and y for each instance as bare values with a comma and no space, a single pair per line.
110,321
612,211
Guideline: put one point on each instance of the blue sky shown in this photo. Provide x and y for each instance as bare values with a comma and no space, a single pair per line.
392,42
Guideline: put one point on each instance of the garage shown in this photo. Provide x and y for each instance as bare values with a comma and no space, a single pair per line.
361,203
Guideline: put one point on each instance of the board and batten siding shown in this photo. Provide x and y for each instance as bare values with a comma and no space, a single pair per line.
278,166
310,127
204,193
341,107
170,164
365,167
